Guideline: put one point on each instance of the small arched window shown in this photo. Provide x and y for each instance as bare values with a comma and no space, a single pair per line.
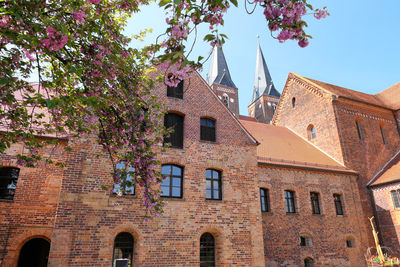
207,129
8,182
358,126
225,100
308,262
173,182
175,122
382,134
213,184
305,240
123,250
207,250
350,242
293,102
311,132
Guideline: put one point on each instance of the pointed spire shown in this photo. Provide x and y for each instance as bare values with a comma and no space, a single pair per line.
219,72
263,84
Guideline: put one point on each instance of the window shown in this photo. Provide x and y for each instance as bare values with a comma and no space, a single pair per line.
173,182
308,262
358,126
225,99
123,250
126,187
383,135
213,184
174,121
293,102
177,91
305,241
396,198
338,204
311,132
315,203
8,182
207,250
207,129
289,198
264,196
350,242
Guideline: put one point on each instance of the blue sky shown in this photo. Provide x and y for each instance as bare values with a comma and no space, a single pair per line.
357,46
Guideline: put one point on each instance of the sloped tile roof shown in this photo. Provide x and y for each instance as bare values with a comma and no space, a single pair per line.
391,96
281,146
389,173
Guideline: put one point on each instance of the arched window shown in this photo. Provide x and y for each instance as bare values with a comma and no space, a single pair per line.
213,184
382,134
293,102
350,242
289,201
308,262
174,121
207,250
311,132
358,126
8,182
305,240
225,100
173,182
123,250
338,204
315,203
207,129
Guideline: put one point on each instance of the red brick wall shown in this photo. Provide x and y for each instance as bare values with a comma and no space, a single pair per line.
388,216
329,231
313,106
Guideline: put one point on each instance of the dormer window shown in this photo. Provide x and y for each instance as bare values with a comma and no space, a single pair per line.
176,91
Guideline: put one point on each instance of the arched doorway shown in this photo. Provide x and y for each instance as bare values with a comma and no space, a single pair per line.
34,253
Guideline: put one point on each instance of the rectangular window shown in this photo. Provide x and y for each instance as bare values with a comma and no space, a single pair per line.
172,184
174,121
396,199
8,182
125,187
338,204
289,198
207,129
315,203
264,196
213,184
176,91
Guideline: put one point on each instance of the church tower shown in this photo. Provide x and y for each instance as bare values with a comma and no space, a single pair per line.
265,97
220,80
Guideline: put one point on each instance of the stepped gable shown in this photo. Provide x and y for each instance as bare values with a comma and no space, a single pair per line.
390,173
389,98
281,146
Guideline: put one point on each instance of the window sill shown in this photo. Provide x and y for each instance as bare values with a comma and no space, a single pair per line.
317,215
214,200
292,213
171,198
123,196
209,142
7,200
175,97
268,213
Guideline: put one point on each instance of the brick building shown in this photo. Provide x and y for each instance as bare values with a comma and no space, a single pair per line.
238,192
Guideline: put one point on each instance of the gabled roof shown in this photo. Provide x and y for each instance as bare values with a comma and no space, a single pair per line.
219,72
281,146
389,98
263,84
390,172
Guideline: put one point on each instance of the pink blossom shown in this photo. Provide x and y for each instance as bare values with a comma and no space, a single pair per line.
284,35
95,2
79,16
321,13
303,42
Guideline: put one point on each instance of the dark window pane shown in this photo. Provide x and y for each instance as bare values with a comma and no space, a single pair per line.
8,182
177,91
123,249
264,199
308,262
289,197
359,130
338,204
315,203
213,184
207,250
383,135
207,129
174,122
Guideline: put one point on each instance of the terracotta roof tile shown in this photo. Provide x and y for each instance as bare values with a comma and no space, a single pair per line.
281,145
389,98
389,173
246,118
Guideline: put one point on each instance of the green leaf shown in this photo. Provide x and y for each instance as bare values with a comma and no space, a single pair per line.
4,80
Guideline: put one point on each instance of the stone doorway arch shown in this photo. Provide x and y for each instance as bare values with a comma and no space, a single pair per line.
34,253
